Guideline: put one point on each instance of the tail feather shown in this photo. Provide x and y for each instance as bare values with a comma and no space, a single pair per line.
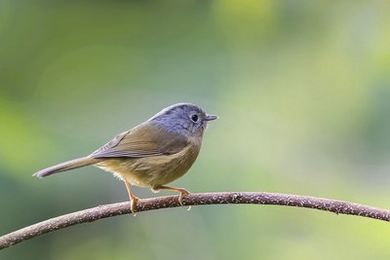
65,166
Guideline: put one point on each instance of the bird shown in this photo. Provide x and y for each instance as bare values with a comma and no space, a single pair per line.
151,154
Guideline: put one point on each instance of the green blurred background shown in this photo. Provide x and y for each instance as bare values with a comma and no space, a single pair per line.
302,89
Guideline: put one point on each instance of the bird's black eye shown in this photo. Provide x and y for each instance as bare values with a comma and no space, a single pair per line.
194,118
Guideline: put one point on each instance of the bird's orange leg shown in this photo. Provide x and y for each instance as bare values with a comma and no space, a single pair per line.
133,199
183,192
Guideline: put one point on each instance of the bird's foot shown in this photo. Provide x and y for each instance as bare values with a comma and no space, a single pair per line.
133,205
183,193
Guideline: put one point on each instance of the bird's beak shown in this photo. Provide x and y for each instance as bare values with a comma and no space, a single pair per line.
211,117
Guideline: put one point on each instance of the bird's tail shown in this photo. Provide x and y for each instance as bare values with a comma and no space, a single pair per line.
65,166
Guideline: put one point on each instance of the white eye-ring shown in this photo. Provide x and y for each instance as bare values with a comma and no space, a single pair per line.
194,118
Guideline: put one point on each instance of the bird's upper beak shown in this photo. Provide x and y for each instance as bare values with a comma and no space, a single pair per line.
211,117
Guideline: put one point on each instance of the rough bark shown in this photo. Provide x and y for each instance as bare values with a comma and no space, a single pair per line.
194,199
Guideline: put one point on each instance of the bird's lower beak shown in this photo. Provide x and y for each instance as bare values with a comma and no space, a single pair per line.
211,117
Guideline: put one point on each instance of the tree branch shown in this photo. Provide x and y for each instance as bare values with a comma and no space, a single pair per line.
194,199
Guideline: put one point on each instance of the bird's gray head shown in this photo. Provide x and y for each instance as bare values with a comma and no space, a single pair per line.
183,118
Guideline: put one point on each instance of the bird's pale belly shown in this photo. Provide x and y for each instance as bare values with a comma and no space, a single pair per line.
152,171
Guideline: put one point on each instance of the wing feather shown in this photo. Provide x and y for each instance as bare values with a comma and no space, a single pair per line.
144,140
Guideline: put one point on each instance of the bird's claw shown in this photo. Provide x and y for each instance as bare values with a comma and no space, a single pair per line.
133,205
182,194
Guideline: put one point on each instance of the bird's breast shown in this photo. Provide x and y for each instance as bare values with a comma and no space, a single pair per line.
155,170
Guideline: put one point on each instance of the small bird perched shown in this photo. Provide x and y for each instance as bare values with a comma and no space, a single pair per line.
152,154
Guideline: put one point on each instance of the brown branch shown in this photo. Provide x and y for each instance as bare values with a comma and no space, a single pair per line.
194,199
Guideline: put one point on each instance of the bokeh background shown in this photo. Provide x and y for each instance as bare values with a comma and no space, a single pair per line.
302,89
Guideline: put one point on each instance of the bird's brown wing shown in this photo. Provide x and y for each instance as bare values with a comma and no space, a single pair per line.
144,140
